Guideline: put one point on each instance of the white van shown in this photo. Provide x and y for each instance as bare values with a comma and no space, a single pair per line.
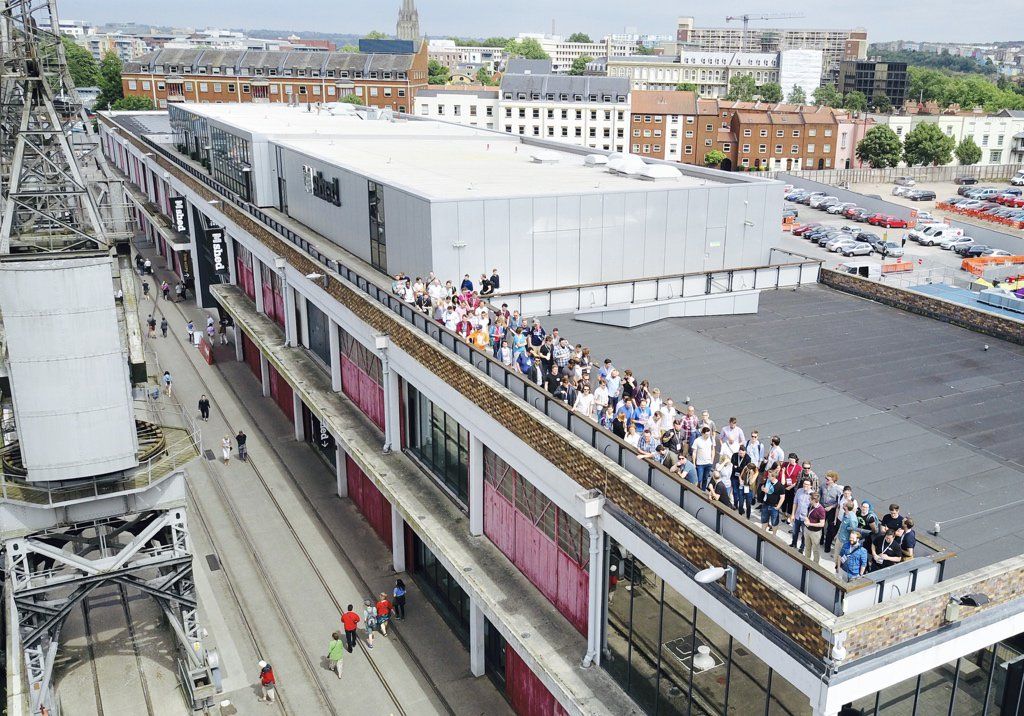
1018,179
864,269
938,236
926,230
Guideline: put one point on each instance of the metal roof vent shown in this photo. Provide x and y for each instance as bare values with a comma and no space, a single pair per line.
628,165
595,160
659,172
546,156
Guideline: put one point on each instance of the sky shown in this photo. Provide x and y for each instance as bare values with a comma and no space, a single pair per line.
933,20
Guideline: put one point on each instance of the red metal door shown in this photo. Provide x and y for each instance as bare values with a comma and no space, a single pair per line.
526,692
371,503
251,355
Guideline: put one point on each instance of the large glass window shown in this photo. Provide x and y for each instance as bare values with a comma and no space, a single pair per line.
440,443
653,634
191,133
230,161
443,591
319,333
378,235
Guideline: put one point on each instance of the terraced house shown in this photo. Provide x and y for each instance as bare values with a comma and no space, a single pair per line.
387,78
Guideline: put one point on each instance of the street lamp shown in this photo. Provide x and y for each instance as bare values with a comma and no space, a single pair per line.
713,574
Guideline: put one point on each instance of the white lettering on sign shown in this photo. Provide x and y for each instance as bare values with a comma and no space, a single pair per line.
179,214
217,240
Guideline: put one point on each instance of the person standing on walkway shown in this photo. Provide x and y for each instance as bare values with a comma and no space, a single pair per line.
243,451
190,329
398,594
350,620
204,407
369,621
168,382
225,449
145,289
147,267
267,682
151,322
335,652
178,292
223,330
383,613
210,332
816,517
164,325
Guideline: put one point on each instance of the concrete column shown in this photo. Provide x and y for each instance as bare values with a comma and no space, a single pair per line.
335,348
304,313
229,242
289,316
236,332
170,260
342,471
476,639
392,398
300,428
595,592
257,277
265,375
476,485
397,540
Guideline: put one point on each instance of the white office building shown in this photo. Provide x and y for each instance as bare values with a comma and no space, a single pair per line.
563,53
993,133
472,106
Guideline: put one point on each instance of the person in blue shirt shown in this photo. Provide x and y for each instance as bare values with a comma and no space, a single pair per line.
853,558
686,469
467,283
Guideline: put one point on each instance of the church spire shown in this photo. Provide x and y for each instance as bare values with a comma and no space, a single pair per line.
408,26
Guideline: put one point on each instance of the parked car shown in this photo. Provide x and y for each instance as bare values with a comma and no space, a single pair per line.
840,245
935,238
970,251
858,248
920,195
923,217
804,228
823,202
795,194
790,212
981,193
874,240
806,198
997,252
849,211
951,243
965,181
891,248
832,235
861,215
922,233
904,181
967,190
900,190
888,221
839,207
1018,179
850,229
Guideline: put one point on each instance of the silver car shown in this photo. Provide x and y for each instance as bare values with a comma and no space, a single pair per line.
859,248
840,245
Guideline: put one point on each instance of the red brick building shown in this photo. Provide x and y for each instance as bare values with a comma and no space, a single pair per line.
210,75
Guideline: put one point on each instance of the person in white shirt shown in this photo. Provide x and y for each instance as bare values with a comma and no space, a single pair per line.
632,436
600,397
584,402
668,414
703,456
655,401
732,437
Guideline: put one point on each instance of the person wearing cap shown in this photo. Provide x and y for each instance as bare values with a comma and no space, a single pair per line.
267,682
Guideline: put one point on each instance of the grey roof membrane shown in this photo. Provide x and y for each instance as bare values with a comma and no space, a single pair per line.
907,409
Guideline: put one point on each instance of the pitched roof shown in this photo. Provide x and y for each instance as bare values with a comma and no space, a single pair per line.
664,102
252,59
570,85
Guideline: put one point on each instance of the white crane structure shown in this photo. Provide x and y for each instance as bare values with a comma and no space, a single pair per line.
747,17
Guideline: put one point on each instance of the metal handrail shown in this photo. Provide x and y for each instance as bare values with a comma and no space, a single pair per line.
521,386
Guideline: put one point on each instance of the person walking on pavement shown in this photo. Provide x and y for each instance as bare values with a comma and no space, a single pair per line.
165,289
267,682
225,449
190,329
243,451
398,594
335,652
204,407
179,292
369,621
164,325
147,267
167,382
223,330
145,289
210,331
383,613
350,620
151,322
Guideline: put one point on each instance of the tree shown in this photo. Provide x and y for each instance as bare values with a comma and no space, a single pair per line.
968,152
375,35
109,81
797,95
528,48
927,144
714,158
348,48
579,65
437,74
771,92
882,104
133,103
742,88
826,96
485,77
351,99
855,101
687,87
644,50
880,148
81,64
580,37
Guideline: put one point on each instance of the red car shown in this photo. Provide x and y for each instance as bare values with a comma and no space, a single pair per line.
801,230
889,222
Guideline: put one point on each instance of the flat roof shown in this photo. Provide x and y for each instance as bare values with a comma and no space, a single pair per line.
436,159
906,408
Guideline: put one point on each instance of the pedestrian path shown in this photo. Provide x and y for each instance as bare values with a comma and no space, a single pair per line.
299,551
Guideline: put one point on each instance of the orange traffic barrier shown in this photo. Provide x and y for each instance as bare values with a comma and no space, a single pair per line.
898,267
978,265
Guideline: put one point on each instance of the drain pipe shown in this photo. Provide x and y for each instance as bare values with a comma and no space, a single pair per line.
381,342
593,503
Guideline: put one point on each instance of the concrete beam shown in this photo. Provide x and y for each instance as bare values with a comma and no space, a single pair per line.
476,485
477,666
397,540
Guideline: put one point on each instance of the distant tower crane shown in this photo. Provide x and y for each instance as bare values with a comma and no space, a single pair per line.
747,17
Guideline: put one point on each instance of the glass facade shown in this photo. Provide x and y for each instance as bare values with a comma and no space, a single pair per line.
191,133
440,443
230,161
443,591
652,636
985,683
378,235
319,333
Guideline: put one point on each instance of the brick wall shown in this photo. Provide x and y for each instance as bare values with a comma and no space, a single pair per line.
930,306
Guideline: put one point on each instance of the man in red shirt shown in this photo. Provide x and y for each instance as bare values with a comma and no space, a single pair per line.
267,682
350,620
383,613
791,471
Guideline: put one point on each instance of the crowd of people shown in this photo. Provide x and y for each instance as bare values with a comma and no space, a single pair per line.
743,473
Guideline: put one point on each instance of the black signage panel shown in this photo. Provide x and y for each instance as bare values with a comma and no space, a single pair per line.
212,255
179,214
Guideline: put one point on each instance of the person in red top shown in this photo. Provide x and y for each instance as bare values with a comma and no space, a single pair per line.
383,613
788,476
267,682
350,620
